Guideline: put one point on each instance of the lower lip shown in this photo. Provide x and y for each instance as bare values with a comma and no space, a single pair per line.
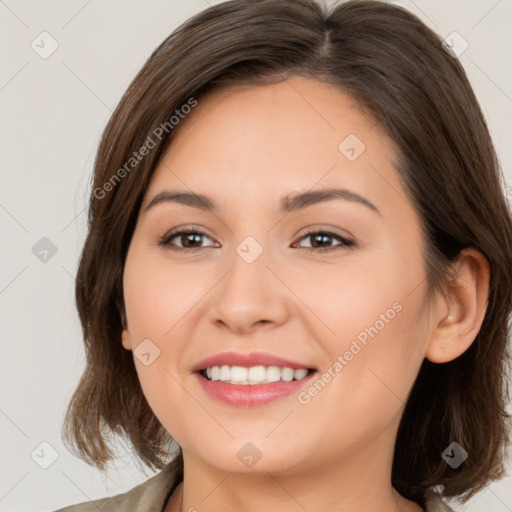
251,394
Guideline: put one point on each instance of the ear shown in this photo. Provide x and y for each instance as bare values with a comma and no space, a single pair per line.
462,310
125,336
126,339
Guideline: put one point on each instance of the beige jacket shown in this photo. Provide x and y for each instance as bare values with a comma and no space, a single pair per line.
153,494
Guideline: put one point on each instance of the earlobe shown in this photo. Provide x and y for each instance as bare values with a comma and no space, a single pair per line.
125,336
126,339
464,311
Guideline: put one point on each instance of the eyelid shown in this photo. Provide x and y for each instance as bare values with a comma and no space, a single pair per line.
315,228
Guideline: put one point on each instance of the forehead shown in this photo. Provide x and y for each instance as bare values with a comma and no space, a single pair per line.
290,135
280,114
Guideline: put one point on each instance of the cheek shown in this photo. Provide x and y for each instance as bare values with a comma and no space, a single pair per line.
159,295
373,362
375,314
355,300
159,301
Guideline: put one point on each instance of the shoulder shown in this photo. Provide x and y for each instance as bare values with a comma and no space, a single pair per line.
149,496
435,503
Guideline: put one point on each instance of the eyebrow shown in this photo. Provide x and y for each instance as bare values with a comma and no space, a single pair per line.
288,203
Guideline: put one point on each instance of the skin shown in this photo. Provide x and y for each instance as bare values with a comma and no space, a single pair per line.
246,147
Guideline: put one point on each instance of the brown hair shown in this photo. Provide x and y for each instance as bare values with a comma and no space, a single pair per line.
396,69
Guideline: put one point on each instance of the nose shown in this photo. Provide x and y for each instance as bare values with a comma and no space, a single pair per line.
250,296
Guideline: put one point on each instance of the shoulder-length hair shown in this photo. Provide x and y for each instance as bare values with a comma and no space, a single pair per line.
398,71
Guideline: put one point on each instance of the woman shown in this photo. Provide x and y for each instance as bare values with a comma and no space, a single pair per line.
297,279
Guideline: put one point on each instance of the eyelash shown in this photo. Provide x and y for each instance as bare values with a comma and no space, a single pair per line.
165,240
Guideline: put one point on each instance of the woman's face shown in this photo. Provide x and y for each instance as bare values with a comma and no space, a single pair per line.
348,301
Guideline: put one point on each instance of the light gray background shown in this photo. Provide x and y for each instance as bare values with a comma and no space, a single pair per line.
53,111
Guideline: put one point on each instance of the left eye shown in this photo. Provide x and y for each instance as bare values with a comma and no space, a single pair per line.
191,240
320,241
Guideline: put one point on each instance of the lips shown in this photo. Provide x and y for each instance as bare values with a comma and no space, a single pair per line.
248,360
250,394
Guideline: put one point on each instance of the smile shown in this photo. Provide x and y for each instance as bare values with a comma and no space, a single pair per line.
253,375
253,386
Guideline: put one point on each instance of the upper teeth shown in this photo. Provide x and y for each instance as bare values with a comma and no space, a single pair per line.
254,374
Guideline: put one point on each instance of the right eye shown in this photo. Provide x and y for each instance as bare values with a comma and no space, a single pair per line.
188,238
